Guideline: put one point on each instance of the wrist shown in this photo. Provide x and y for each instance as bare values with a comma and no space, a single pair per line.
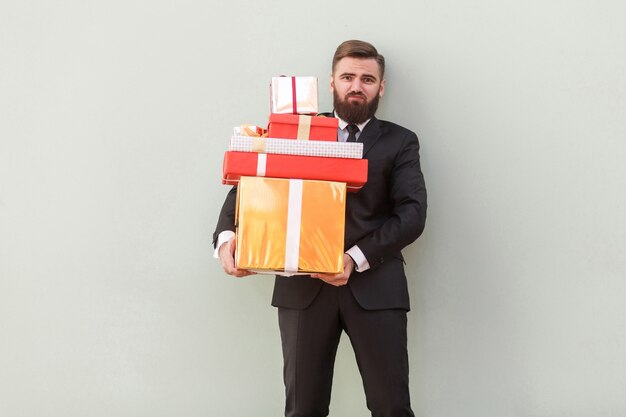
352,262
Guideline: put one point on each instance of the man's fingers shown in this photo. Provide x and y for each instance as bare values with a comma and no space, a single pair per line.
233,245
336,280
227,259
239,273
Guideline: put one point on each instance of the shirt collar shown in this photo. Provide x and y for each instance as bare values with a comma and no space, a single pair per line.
343,123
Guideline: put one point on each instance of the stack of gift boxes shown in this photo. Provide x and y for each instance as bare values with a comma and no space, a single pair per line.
292,181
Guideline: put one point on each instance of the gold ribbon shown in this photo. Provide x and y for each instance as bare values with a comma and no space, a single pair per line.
258,145
304,127
251,130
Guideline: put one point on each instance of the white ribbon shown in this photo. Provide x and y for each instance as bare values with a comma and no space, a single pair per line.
261,164
294,218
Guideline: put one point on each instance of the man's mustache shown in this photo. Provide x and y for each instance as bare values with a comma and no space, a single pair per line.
356,95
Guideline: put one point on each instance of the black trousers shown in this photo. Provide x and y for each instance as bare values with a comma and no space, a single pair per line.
310,338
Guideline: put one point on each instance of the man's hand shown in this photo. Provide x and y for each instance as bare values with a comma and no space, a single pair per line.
338,279
227,258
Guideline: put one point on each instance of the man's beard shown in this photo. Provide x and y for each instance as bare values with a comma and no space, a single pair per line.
355,112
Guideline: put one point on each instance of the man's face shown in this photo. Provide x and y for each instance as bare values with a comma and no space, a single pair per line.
356,86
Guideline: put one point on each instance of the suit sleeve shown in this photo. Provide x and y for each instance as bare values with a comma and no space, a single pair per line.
406,198
226,220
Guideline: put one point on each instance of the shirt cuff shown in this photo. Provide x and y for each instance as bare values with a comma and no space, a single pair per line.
222,238
361,264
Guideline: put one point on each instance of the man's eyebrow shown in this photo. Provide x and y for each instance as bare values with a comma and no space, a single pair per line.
362,75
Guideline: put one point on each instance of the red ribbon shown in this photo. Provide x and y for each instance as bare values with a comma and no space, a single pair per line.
293,95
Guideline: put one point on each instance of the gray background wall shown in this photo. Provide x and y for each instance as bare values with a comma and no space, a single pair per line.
115,116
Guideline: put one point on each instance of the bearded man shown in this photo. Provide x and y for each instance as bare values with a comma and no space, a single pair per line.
369,300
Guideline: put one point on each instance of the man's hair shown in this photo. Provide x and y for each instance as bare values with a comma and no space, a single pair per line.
359,49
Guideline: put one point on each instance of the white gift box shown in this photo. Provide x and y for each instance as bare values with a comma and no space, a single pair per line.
353,150
293,95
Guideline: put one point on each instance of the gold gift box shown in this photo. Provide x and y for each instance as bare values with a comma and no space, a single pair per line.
290,226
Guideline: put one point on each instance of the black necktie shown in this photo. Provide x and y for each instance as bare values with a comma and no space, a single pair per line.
352,131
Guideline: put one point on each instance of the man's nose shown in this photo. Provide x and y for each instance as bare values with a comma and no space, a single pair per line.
356,86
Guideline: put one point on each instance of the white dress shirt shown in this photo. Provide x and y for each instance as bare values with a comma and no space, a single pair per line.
360,262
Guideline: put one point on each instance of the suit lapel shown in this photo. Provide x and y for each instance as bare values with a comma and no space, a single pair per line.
370,135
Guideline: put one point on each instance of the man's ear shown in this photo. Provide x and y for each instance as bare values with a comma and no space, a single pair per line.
381,91
331,85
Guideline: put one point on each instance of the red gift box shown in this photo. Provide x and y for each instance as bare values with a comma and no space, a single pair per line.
238,164
294,126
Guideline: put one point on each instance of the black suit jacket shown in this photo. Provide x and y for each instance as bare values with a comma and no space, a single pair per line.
385,216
